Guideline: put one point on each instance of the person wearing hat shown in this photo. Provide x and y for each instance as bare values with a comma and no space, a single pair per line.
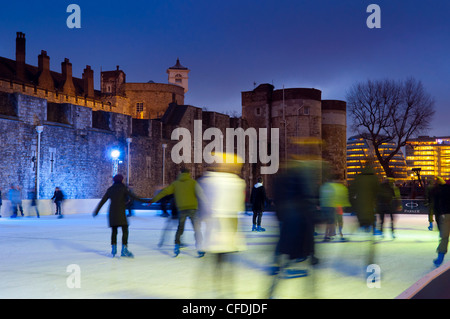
118,194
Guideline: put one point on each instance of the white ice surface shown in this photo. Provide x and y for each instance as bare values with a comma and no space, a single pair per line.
36,253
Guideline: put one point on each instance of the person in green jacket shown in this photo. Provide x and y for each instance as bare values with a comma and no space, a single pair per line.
186,193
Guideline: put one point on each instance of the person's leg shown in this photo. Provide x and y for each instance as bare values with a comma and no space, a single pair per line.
114,235
197,231
255,218
258,221
125,235
125,252
444,222
180,230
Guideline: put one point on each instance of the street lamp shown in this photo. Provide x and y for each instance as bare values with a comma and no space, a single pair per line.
115,156
39,130
129,140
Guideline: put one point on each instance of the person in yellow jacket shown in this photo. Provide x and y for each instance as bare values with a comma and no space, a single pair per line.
333,199
186,193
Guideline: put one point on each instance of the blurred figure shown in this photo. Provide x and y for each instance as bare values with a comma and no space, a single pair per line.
388,202
258,200
224,198
171,220
118,194
431,196
333,199
15,197
33,196
58,197
363,193
295,197
1,202
442,213
129,203
186,193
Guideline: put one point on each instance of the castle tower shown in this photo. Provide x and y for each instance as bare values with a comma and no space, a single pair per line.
334,135
112,82
178,75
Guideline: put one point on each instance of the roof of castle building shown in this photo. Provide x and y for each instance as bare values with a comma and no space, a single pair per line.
8,72
178,66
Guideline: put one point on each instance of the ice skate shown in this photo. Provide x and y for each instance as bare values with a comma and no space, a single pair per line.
260,229
176,250
113,250
438,261
254,228
126,253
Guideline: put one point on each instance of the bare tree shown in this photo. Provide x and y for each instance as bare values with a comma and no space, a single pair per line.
389,111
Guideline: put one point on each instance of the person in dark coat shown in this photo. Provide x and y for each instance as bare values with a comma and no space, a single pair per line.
118,194
0,202
295,198
363,194
442,212
258,200
58,197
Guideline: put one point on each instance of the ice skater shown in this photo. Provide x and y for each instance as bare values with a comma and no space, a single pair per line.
442,212
363,193
58,198
15,197
118,194
0,202
388,202
186,192
259,200
224,199
33,197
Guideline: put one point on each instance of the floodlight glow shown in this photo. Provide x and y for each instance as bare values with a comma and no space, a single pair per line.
115,154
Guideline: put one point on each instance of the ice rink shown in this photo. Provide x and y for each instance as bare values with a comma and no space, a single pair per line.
70,258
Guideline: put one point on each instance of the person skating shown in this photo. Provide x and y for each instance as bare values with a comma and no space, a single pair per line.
118,194
58,197
186,192
258,200
15,197
388,202
224,199
442,212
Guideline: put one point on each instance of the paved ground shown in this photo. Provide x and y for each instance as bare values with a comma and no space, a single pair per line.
69,258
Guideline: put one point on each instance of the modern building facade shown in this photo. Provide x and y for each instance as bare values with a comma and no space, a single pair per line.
360,150
429,154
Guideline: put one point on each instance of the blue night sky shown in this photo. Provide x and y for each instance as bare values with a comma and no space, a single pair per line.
229,45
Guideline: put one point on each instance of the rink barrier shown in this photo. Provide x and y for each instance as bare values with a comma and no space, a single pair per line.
434,285
47,207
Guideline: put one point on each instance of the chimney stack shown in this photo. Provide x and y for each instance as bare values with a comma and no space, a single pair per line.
45,79
20,56
88,81
66,70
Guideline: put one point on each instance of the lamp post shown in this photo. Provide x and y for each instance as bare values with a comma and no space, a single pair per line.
129,140
39,130
163,164
115,156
